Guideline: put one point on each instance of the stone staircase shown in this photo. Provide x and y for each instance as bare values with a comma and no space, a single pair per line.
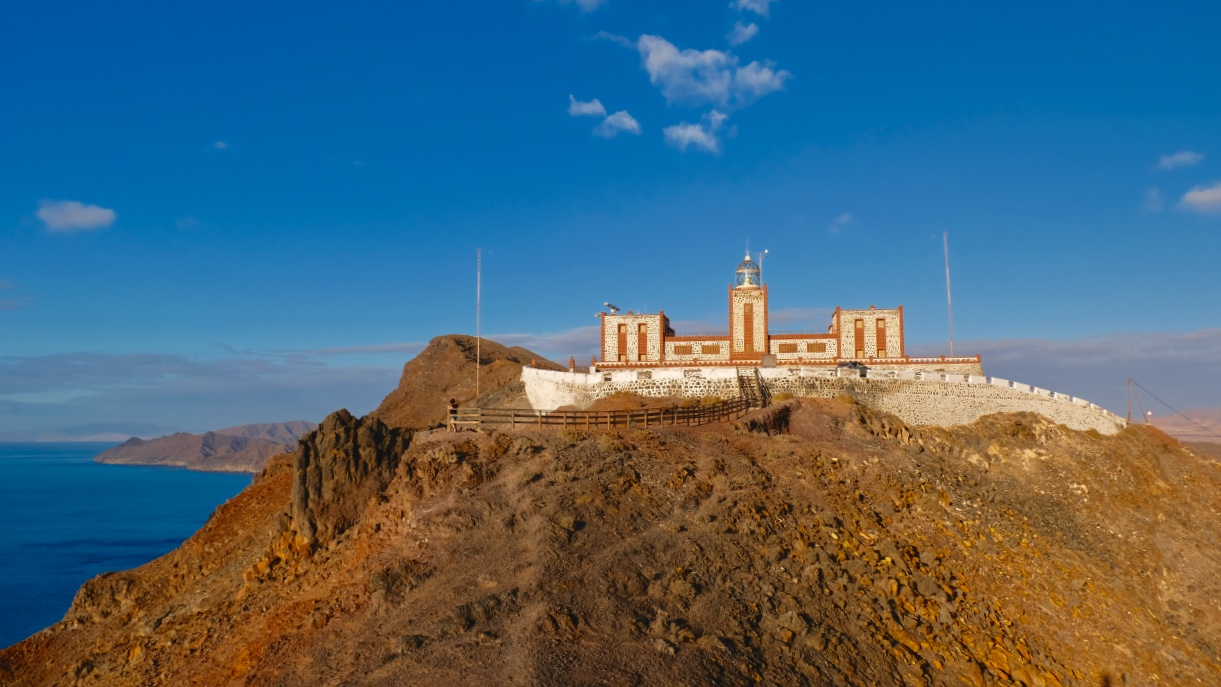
750,387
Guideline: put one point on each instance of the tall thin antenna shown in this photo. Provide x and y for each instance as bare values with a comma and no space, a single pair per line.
478,294
949,306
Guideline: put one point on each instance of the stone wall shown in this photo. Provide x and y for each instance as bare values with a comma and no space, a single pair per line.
918,398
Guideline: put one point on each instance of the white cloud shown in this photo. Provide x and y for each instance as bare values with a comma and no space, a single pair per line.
220,145
702,77
703,136
1183,158
1203,199
71,215
593,108
742,33
759,7
619,122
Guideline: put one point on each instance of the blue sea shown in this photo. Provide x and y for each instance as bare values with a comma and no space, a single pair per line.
65,519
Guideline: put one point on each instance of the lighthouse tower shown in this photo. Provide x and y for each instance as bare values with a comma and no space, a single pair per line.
748,313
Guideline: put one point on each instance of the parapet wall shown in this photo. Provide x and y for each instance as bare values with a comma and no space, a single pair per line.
918,398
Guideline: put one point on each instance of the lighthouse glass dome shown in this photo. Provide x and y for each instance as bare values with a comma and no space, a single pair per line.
747,275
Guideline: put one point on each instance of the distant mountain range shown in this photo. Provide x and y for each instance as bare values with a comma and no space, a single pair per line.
235,449
1204,425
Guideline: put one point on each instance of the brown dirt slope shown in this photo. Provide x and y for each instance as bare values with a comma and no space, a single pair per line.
818,543
445,370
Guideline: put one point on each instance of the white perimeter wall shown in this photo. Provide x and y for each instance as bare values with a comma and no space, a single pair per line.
918,398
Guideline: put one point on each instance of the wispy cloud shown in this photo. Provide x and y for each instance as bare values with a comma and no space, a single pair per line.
1183,158
585,5
706,77
1154,202
799,319
615,38
703,136
411,348
741,33
70,215
220,145
12,298
617,123
1180,367
840,222
759,7
581,343
79,388
592,108
1206,199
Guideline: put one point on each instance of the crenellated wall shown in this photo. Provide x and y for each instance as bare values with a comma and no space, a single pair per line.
918,398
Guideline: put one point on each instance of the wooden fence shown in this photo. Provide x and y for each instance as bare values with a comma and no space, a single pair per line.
602,419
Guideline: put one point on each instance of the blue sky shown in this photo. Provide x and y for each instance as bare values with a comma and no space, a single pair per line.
216,213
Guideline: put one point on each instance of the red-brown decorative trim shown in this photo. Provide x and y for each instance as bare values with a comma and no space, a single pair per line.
802,337
902,336
698,338
602,351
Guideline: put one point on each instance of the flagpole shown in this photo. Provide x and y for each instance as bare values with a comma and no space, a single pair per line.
478,293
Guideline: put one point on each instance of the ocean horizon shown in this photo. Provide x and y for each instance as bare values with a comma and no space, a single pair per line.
69,519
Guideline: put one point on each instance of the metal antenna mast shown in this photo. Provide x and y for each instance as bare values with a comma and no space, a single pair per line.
945,243
478,293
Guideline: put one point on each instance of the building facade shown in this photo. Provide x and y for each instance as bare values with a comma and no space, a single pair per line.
872,336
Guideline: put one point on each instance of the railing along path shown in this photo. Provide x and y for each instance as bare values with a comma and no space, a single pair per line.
602,419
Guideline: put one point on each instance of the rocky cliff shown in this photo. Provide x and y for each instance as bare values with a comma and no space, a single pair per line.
234,449
818,542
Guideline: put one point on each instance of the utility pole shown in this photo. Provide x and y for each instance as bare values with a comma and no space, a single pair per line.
945,243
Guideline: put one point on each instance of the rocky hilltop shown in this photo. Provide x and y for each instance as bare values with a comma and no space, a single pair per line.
244,448
446,369
816,542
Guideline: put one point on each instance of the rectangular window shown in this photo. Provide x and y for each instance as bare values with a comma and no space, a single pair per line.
642,342
684,349
786,348
622,342
881,337
711,349
859,338
816,347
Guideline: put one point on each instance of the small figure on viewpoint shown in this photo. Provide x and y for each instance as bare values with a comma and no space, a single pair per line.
453,415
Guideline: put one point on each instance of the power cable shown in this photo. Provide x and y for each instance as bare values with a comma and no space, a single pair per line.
1176,412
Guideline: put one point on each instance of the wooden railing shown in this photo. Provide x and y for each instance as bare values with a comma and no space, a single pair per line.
510,418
